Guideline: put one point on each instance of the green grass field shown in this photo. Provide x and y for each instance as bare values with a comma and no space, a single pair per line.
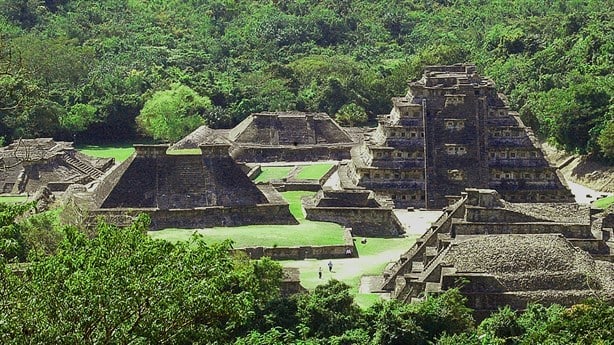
373,256
315,171
273,173
305,233
12,199
306,172
119,152
604,202
296,208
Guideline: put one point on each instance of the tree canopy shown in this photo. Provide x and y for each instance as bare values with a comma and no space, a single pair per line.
87,69
118,285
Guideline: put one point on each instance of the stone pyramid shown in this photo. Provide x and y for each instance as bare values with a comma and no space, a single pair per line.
189,190
451,131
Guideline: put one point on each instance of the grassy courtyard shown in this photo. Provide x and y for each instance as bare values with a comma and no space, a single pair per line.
304,172
604,202
373,258
273,173
119,152
305,233
314,171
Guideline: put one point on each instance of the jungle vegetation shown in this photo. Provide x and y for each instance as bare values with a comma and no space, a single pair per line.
119,286
117,70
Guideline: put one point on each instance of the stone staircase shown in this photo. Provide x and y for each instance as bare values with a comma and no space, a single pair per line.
84,168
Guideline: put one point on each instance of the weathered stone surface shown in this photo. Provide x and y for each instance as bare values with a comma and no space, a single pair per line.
508,254
449,132
187,191
27,165
356,209
278,137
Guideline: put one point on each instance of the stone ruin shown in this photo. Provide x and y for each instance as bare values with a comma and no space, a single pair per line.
356,209
452,131
507,254
27,165
185,191
279,136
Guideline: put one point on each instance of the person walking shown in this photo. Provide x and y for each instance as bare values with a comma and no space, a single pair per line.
330,266
319,272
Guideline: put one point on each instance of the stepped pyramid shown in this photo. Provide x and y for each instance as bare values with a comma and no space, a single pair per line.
207,189
278,136
289,128
508,254
452,130
26,165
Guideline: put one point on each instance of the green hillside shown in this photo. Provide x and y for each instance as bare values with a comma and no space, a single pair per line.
112,70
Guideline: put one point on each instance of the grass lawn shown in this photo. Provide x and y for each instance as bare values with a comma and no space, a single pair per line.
604,202
373,256
13,199
296,208
119,152
315,171
273,173
305,233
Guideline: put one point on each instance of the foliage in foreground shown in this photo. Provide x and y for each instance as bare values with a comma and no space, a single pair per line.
21,237
122,287
587,323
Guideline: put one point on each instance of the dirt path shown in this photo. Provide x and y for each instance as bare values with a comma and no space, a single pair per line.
583,175
351,270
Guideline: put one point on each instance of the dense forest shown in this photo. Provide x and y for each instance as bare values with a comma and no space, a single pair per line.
116,70
123,287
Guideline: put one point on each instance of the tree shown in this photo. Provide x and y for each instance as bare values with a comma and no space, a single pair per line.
606,140
78,118
351,115
328,310
13,243
172,114
124,287
421,323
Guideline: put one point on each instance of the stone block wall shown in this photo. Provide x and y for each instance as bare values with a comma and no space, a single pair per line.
372,222
568,230
203,217
346,250
301,153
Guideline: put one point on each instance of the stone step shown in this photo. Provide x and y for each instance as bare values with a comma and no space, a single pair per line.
431,287
417,266
84,168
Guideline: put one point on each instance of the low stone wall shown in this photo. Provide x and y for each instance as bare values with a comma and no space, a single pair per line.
568,230
346,250
305,185
203,217
329,173
373,222
254,172
291,153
